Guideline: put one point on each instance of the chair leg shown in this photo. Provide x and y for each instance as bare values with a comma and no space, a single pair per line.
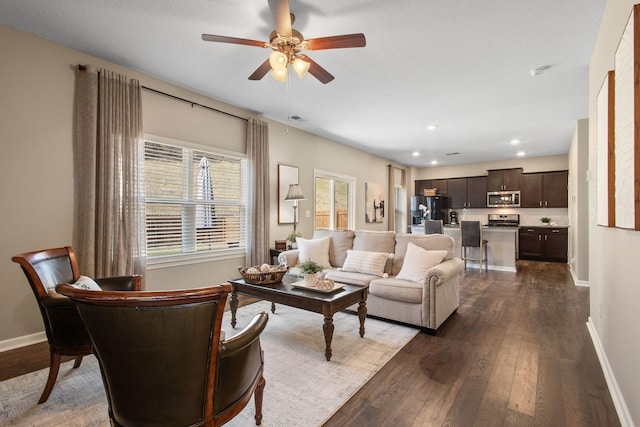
258,398
54,367
78,361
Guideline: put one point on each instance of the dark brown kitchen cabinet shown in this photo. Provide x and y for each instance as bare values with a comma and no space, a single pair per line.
543,243
504,179
477,192
467,192
544,190
422,184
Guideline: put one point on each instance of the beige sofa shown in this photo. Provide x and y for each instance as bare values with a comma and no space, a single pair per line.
425,300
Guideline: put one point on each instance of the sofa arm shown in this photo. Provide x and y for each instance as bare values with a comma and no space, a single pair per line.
444,271
288,258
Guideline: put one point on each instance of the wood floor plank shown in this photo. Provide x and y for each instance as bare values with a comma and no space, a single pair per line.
523,391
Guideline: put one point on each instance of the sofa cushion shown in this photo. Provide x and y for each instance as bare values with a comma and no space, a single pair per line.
350,278
376,241
341,241
417,261
316,250
366,262
430,241
397,290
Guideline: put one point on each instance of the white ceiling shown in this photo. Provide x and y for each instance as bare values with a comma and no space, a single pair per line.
460,64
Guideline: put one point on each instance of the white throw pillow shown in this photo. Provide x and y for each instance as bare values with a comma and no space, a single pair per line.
365,262
417,261
87,283
316,250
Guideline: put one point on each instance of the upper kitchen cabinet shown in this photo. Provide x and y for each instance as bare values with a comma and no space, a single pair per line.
422,184
467,192
504,179
544,190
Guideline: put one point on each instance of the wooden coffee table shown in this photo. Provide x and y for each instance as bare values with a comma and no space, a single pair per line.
318,302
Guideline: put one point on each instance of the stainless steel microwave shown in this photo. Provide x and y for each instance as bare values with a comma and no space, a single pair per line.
503,199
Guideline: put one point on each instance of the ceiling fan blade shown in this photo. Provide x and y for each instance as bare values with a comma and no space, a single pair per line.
337,42
234,40
317,71
281,16
261,71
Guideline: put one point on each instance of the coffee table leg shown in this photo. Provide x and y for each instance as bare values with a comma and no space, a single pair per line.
328,335
234,307
362,314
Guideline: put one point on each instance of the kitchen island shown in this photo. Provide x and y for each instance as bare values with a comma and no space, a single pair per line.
502,247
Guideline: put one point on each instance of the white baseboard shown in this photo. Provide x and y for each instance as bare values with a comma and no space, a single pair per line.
612,384
577,282
22,341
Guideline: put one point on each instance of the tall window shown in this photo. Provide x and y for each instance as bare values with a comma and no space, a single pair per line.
195,201
334,201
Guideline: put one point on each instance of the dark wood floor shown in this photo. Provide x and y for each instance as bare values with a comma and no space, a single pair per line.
517,353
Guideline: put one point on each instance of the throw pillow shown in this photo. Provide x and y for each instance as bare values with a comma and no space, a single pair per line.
316,250
366,262
417,261
87,283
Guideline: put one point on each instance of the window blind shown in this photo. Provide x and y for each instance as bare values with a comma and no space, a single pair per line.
195,200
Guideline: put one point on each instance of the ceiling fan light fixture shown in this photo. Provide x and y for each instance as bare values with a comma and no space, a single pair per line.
278,61
300,66
280,75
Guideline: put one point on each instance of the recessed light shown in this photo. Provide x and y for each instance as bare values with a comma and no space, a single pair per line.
415,153
515,141
434,162
432,127
520,153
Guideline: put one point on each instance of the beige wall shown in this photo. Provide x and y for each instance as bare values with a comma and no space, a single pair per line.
613,253
533,164
36,82
579,203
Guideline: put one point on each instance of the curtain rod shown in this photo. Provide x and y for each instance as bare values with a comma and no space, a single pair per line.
84,68
192,103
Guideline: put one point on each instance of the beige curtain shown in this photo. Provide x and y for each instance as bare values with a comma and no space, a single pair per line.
397,207
258,183
109,221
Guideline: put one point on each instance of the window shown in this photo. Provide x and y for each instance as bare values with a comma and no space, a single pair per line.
195,201
334,201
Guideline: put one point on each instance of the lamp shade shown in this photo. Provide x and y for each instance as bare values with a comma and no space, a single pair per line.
278,60
301,67
280,75
294,193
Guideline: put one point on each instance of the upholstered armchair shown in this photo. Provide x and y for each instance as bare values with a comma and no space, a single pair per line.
66,334
163,360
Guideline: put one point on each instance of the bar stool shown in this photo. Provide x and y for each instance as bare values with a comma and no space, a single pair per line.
433,226
471,236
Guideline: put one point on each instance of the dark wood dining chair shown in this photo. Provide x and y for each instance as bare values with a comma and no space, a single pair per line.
471,237
162,358
65,331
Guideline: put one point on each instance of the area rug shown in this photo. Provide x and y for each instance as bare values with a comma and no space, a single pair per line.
303,389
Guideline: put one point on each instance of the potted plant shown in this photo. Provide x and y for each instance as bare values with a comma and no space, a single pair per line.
310,271
293,236
545,220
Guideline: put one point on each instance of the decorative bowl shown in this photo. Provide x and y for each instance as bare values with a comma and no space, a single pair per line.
254,275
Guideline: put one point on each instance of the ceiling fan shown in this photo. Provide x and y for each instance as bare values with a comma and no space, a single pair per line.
288,46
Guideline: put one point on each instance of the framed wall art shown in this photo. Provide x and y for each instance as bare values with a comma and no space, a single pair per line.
605,153
626,139
374,202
